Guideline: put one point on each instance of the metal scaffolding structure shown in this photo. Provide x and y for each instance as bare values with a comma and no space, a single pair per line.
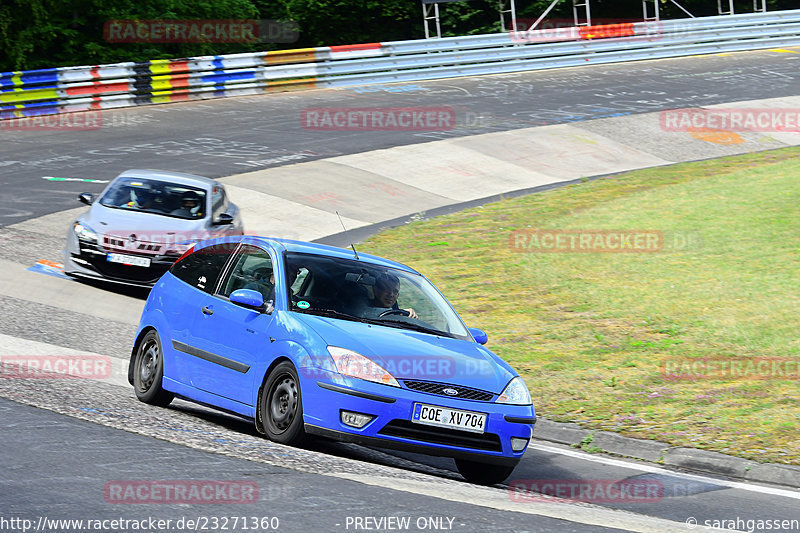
587,13
581,13
430,14
507,7
655,16
582,16
758,7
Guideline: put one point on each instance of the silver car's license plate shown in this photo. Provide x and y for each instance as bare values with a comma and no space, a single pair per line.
128,260
434,415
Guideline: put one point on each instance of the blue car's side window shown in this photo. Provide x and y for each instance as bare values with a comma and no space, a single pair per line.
252,269
202,268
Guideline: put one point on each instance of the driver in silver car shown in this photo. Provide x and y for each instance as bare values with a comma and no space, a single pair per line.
190,202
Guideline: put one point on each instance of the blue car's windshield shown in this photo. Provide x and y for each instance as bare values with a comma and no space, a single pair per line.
157,197
360,291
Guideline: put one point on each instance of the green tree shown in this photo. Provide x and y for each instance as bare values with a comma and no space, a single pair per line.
51,33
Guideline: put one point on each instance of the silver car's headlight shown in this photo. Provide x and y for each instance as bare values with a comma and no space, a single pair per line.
84,232
515,393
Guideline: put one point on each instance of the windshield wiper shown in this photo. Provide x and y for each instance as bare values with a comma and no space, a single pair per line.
378,322
410,325
331,313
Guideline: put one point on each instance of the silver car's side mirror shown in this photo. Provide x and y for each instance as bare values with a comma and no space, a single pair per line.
224,219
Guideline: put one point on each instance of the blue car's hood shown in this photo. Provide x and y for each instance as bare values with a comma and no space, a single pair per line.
408,354
123,222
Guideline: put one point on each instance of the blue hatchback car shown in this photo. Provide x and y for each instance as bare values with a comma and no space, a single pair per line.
307,339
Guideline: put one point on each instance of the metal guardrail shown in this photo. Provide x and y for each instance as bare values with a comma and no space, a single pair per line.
68,89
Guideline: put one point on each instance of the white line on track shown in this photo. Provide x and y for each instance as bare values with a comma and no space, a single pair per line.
650,468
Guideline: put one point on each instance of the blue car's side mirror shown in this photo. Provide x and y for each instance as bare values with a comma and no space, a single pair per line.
248,298
479,335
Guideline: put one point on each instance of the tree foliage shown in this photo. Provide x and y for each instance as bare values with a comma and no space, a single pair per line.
51,33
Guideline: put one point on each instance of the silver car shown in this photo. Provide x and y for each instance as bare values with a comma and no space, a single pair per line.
143,222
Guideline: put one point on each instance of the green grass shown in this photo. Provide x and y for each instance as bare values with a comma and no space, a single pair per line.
591,332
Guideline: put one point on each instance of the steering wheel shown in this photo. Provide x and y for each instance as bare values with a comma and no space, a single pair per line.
388,312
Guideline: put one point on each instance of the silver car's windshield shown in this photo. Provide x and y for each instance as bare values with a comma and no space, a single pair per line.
365,292
157,197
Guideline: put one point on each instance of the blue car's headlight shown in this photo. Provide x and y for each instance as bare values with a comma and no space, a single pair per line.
515,393
353,364
84,232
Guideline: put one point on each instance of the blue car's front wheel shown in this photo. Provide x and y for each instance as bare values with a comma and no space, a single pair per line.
281,406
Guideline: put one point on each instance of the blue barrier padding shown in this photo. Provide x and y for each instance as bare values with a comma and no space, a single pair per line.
47,75
21,89
12,112
31,105
222,78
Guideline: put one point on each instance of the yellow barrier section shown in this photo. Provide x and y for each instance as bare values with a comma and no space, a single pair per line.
282,57
26,96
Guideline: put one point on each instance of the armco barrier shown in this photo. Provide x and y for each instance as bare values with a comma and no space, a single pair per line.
68,89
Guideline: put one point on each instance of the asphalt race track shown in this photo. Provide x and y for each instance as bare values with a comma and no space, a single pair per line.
229,136
64,441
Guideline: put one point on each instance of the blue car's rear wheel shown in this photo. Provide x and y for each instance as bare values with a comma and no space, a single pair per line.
148,371
482,473
281,406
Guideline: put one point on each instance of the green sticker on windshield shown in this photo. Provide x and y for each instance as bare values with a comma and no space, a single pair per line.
302,304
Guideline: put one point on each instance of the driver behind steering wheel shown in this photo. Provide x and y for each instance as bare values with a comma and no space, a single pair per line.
386,290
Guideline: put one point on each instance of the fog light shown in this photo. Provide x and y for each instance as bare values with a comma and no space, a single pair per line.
518,444
356,420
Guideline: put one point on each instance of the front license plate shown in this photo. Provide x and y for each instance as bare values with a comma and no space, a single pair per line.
433,415
128,260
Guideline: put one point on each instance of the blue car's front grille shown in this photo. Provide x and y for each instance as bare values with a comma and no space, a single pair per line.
435,435
464,393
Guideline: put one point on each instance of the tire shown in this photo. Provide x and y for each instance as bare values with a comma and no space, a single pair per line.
482,473
148,372
281,406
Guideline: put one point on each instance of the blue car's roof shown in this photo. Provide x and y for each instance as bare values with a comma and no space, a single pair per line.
332,251
308,248
180,178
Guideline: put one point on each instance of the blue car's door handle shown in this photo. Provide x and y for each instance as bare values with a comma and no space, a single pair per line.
208,311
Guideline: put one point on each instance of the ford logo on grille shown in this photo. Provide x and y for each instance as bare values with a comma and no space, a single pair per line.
450,392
